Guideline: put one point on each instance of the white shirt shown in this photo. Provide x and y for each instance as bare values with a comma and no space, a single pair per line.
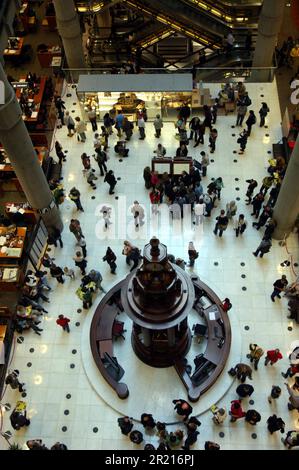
199,209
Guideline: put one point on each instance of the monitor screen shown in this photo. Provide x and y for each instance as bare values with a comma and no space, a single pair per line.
178,168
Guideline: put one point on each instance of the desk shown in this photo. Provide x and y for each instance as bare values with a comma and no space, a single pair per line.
9,52
27,212
38,98
2,347
11,277
12,248
45,57
172,166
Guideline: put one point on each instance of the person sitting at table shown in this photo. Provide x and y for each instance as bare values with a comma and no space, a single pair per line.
182,151
160,151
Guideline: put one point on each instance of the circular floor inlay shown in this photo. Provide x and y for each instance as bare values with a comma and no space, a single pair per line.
216,263
31,350
269,152
73,111
262,96
64,429
79,310
69,95
266,127
237,188
232,127
120,160
267,135
246,327
119,178
221,434
72,366
235,161
253,435
290,328
24,394
20,339
66,151
212,160
244,288
233,135
93,197
68,396
243,276
77,323
296,265
74,351
116,197
74,104
236,179
95,430
29,364
66,412
235,151
242,264
238,199
251,402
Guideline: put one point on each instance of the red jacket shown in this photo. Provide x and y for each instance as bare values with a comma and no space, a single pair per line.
237,412
63,321
155,197
274,356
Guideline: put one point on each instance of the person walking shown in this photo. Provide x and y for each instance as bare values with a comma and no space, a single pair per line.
80,129
97,278
92,116
70,124
252,417
82,244
74,195
240,225
291,439
264,247
138,214
219,414
279,287
199,211
63,322
193,254
111,180
12,379
76,229
242,371
263,113
141,126
158,125
110,257
293,403
126,424
275,393
231,209
221,224
57,273
273,356
250,122
255,353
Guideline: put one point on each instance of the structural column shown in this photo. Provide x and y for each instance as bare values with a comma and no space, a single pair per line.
18,146
69,30
269,26
287,206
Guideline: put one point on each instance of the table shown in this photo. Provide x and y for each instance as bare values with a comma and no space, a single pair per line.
9,52
11,277
37,99
18,241
45,57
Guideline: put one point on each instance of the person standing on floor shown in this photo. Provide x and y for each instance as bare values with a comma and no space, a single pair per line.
240,225
80,262
138,214
59,152
279,287
231,209
291,439
97,278
252,417
108,123
80,129
251,187
242,140
70,124
219,415
82,244
293,403
275,424
110,257
244,390
183,408
111,180
205,161
267,212
141,126
59,104
76,229
263,113
257,204
158,125
74,195
200,134
92,116
101,159
12,379
193,254
236,411
250,122
63,322
128,128
212,139
264,247
241,113
273,356
57,272
119,122
255,353
199,210
221,224
194,127
275,393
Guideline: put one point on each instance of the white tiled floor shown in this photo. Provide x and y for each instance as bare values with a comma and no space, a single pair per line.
50,378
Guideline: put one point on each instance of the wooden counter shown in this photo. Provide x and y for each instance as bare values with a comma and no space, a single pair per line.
28,213
14,52
16,251
38,98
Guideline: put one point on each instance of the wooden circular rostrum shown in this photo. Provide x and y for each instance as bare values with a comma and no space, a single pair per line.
160,335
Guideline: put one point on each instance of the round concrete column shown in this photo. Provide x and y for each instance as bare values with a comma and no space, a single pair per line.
287,206
69,30
19,148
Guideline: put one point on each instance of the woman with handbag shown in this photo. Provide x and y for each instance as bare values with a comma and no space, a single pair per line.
192,253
